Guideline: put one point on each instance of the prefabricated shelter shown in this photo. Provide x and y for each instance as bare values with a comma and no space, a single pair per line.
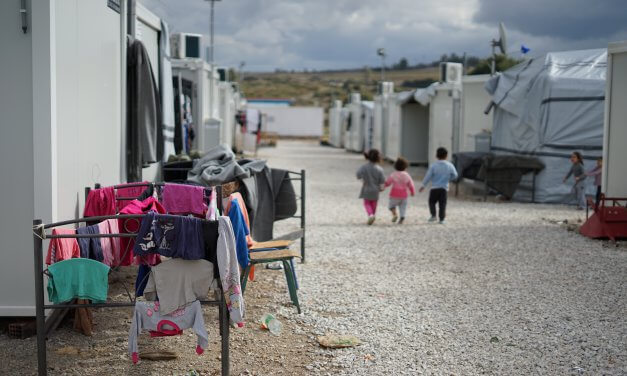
354,128
367,123
228,106
193,86
420,121
335,124
380,115
615,135
62,117
292,121
548,107
475,124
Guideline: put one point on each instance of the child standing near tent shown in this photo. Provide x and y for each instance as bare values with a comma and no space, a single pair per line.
439,174
401,184
596,172
373,179
578,174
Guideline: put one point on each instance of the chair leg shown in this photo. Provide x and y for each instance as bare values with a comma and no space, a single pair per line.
244,277
291,286
294,273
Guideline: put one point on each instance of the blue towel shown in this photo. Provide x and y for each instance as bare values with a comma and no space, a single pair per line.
240,230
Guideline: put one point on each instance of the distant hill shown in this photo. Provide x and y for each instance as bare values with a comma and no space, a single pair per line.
321,88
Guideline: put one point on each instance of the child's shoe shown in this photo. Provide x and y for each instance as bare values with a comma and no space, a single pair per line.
370,220
432,219
395,217
400,222
442,222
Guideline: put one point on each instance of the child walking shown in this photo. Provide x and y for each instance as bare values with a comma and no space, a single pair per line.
401,184
373,179
578,174
439,174
596,172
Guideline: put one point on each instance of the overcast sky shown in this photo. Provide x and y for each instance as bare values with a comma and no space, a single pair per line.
335,34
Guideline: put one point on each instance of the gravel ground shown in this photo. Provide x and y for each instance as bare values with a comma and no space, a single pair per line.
502,288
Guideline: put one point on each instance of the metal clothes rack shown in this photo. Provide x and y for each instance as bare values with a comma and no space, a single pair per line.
39,234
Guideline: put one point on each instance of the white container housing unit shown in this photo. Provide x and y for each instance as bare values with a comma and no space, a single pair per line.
292,121
335,124
192,80
420,121
474,122
615,135
62,119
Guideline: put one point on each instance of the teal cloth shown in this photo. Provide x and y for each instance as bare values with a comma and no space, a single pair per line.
78,278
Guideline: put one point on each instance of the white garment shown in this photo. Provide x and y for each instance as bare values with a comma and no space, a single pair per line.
229,271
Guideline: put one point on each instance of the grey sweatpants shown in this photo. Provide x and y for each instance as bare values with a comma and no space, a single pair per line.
580,193
401,203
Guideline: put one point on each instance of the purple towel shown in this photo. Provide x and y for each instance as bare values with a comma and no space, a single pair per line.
183,199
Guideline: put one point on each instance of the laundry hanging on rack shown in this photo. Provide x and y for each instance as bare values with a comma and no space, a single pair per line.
241,232
78,278
229,271
132,226
147,317
237,197
184,199
139,193
110,245
90,247
178,282
61,249
170,236
100,201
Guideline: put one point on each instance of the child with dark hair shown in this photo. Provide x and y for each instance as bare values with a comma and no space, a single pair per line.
373,179
439,174
576,170
401,183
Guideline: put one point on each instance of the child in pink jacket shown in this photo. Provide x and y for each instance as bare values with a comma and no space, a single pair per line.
401,184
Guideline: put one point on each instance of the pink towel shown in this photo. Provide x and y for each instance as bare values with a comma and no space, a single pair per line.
128,192
184,199
110,246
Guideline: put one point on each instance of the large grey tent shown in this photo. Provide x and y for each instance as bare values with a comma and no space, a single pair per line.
548,107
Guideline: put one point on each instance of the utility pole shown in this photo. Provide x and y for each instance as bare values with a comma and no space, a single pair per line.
381,52
211,60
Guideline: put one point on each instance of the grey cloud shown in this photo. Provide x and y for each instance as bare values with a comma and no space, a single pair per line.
567,19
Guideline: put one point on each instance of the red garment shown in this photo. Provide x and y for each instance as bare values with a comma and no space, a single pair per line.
100,201
61,249
128,192
132,225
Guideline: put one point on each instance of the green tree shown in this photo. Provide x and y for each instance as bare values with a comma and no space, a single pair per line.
502,63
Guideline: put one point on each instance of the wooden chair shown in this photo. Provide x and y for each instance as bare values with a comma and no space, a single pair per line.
275,251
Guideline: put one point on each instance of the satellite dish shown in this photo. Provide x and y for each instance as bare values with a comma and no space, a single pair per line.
502,42
502,38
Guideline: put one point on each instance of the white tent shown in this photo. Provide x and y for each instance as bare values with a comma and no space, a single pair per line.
420,121
548,107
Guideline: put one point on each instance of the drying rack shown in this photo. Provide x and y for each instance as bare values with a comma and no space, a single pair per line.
39,234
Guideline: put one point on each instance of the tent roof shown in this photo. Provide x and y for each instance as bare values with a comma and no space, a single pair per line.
573,73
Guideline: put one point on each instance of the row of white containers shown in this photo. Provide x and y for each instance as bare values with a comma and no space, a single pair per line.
413,124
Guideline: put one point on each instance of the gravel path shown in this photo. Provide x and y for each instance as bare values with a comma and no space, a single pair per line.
501,289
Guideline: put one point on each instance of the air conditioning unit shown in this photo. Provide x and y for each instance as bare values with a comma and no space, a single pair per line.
451,73
185,45
386,87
